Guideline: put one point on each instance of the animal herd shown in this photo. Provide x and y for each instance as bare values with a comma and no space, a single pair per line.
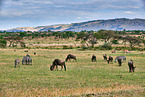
26,60
120,59
57,62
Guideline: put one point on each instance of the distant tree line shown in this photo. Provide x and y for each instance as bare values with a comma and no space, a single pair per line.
109,37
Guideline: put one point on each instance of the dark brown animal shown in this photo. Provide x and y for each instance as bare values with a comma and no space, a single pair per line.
34,53
93,58
17,62
69,57
105,57
57,63
119,61
110,59
131,67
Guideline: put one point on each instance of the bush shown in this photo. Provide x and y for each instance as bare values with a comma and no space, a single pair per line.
84,48
105,47
65,47
3,43
71,47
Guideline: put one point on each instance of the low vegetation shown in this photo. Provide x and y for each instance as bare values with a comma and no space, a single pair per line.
82,78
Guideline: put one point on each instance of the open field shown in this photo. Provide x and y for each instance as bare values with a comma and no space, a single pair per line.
82,78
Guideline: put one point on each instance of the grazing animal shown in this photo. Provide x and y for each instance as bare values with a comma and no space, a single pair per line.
34,53
119,61
93,58
122,57
17,62
70,56
105,57
27,60
57,63
110,59
131,67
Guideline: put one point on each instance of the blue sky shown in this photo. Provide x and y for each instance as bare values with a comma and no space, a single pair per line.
32,13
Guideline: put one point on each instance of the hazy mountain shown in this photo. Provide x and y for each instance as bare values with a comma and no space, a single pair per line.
110,24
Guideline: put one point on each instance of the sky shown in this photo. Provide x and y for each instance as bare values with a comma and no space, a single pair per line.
32,13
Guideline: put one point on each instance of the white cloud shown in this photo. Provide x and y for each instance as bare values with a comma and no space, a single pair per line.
129,12
64,11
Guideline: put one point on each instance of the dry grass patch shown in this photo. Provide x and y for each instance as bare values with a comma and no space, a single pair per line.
67,92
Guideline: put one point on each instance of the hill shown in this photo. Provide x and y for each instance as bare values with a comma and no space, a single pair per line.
110,24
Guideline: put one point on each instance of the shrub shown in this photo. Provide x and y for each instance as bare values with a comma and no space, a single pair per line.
71,47
65,47
106,46
3,43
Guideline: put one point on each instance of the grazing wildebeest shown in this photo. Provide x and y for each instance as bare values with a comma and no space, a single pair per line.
122,57
131,67
27,60
34,53
110,59
105,57
70,56
93,58
119,61
17,62
57,63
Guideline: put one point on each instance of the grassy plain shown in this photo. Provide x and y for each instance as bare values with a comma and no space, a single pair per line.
82,78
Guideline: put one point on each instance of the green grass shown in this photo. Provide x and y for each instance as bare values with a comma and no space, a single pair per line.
82,78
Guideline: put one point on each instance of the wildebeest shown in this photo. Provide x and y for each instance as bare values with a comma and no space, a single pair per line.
105,57
93,58
119,61
131,67
110,59
17,62
122,57
57,63
70,56
27,60
34,53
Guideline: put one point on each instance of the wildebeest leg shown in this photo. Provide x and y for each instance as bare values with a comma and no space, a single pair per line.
61,67
15,64
22,62
133,69
26,62
64,66
108,61
129,68
119,63
56,67
18,64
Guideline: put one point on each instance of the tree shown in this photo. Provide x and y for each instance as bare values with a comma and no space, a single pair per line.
22,34
87,38
106,35
3,43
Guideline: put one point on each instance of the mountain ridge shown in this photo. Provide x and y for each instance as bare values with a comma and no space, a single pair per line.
109,24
